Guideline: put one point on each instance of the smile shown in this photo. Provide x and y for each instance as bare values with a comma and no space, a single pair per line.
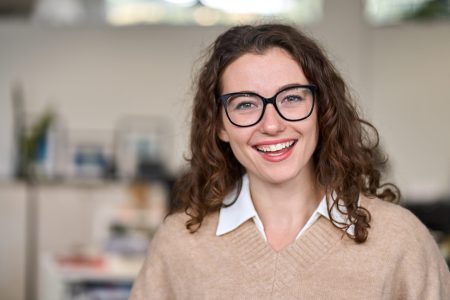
275,148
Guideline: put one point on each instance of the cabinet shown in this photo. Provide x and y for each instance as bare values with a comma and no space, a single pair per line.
72,217
109,279
12,240
66,217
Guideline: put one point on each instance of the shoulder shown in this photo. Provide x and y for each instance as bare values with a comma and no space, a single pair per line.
394,217
176,223
413,258
173,250
173,232
397,230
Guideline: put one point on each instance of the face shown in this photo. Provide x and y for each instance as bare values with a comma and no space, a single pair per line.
274,150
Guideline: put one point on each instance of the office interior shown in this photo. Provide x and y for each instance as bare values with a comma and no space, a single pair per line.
94,126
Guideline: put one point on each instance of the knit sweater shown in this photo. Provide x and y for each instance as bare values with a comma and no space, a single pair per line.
399,260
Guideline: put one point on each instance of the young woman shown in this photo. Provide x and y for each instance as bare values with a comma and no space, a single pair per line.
283,198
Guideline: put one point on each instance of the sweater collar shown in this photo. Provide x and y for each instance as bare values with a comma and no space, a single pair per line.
231,217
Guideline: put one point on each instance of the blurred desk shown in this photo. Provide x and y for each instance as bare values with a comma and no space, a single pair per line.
106,277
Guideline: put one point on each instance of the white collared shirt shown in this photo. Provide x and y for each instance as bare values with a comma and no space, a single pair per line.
233,216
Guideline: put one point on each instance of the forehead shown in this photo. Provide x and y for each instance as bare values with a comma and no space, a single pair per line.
262,73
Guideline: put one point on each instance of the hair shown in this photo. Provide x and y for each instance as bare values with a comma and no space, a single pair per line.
348,160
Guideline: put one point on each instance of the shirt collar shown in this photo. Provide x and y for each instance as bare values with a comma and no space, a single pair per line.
231,217
339,215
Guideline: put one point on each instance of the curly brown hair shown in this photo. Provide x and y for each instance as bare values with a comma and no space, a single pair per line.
348,160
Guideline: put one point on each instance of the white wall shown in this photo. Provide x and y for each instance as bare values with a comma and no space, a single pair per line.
411,104
95,75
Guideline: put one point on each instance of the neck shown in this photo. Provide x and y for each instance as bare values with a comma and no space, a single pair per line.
287,205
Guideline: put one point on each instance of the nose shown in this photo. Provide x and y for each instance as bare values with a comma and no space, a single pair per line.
272,123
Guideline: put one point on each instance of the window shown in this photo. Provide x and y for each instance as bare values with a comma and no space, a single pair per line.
210,12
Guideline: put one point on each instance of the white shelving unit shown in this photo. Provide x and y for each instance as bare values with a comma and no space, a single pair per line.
68,217
111,280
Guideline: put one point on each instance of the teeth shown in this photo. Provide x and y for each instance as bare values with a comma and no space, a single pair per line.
275,147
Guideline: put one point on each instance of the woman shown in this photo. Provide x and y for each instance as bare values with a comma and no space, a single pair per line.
283,198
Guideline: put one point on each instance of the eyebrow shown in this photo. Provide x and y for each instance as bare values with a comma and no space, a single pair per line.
289,85
283,87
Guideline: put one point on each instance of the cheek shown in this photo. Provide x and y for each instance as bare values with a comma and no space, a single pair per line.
223,135
311,131
223,131
241,152
238,138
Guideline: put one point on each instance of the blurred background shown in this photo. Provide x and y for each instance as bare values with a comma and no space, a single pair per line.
94,102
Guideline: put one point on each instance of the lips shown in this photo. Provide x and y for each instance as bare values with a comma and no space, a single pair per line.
268,148
276,151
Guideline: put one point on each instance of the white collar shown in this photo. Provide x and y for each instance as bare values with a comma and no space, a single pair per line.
231,217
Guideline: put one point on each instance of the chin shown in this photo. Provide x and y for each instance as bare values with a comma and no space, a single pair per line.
280,177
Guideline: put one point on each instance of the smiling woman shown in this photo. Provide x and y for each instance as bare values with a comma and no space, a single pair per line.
271,138
283,198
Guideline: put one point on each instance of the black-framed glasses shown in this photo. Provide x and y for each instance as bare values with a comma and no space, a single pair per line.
294,103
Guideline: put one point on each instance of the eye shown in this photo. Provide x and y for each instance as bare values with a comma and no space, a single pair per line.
244,103
292,98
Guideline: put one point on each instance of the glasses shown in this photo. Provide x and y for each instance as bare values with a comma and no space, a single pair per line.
294,103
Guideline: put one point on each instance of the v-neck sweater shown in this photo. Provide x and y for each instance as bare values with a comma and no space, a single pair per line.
399,260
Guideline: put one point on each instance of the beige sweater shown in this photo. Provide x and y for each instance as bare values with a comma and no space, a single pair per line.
399,260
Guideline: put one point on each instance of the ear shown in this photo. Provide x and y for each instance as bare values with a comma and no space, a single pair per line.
223,135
